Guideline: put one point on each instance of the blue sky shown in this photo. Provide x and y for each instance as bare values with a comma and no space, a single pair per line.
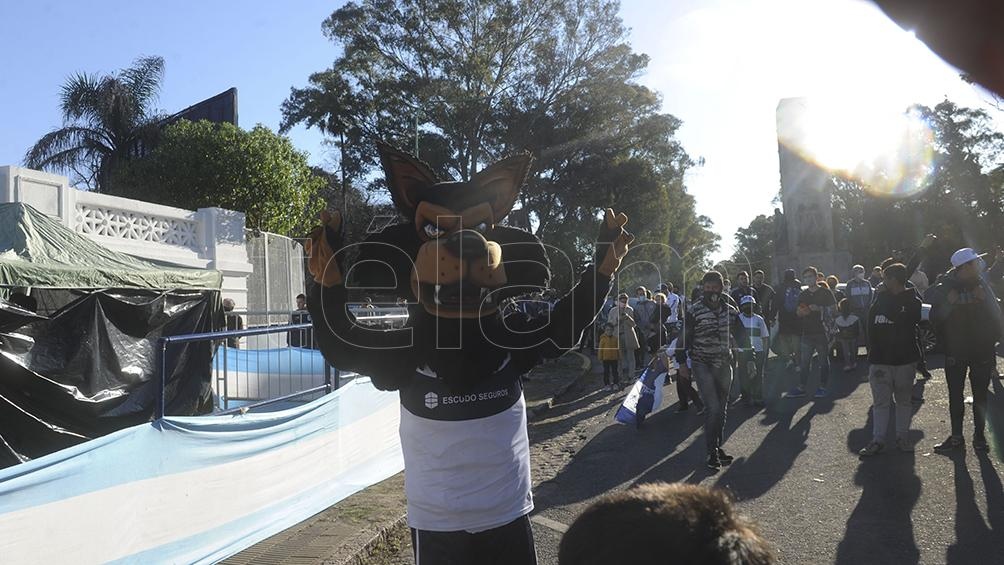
721,66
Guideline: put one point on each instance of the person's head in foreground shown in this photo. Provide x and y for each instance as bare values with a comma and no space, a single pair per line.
663,524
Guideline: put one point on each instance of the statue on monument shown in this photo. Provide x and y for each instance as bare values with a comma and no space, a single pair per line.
780,233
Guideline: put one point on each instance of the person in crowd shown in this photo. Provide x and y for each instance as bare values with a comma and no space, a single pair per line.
660,524
609,354
814,304
300,338
859,295
789,325
876,277
967,319
646,328
911,268
892,353
833,282
674,305
920,281
709,331
743,288
603,318
754,343
234,322
623,318
664,329
848,332
765,298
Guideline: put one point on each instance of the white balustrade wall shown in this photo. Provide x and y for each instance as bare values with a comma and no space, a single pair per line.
208,238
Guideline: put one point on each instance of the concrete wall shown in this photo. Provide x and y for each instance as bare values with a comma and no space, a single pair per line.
207,238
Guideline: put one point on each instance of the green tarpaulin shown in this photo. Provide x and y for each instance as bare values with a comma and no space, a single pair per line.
37,251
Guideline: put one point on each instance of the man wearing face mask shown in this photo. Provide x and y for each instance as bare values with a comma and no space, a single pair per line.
709,338
859,295
967,318
814,304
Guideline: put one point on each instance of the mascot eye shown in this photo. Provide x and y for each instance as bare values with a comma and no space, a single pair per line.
482,227
433,231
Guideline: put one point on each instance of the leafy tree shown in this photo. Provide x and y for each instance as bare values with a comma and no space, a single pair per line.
202,164
754,246
105,119
475,81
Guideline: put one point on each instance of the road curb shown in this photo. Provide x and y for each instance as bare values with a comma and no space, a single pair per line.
362,556
537,411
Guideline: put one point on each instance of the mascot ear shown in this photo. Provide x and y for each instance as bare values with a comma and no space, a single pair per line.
501,183
407,177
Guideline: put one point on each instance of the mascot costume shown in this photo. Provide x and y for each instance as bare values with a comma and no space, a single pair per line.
458,363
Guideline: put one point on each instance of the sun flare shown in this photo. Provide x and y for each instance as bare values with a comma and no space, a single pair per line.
888,150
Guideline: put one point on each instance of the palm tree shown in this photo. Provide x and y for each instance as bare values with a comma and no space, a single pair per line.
106,119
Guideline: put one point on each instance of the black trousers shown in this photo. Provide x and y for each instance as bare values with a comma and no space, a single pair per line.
511,544
980,371
610,371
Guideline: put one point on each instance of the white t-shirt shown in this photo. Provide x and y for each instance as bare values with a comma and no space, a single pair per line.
757,330
673,301
466,456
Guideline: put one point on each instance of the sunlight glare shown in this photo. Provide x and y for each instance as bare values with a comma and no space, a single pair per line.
887,150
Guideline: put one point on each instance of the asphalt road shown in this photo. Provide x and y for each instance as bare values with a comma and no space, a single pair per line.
798,475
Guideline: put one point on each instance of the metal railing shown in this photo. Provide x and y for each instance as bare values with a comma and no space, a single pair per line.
225,373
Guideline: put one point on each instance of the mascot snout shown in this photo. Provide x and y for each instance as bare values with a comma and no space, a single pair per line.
453,276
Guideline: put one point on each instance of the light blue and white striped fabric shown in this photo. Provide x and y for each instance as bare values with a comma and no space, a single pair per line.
197,489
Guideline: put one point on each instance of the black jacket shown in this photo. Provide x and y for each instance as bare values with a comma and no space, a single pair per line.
765,302
892,328
967,318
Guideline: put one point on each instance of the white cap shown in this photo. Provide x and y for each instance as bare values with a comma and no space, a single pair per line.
748,299
963,256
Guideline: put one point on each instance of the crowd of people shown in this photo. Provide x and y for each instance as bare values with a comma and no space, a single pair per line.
720,337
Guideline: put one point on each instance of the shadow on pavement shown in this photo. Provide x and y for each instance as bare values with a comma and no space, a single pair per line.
976,540
880,528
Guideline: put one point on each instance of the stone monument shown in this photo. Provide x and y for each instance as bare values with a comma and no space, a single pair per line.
804,233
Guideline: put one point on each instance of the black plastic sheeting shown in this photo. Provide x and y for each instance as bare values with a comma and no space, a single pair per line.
92,367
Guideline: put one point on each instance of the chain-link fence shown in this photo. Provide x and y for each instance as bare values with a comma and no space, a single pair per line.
277,278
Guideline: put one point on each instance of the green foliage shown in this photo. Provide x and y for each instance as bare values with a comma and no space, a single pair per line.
485,79
104,119
202,164
754,247
962,203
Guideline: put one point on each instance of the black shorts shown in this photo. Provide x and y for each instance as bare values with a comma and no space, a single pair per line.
511,544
